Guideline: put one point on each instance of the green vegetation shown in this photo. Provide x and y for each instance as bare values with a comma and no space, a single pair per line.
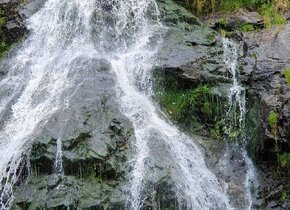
4,47
284,160
273,120
196,108
284,164
217,131
2,17
179,102
271,10
271,15
247,27
287,76
208,6
285,196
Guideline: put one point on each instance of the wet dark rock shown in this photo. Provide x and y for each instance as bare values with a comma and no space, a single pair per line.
193,55
267,57
30,8
191,52
96,144
15,13
235,20
13,28
95,137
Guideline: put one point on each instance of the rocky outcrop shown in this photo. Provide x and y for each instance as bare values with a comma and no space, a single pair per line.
95,147
266,59
240,20
96,144
13,14
192,55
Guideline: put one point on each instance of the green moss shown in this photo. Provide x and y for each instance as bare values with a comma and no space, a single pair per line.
273,119
284,167
284,160
270,10
4,48
178,102
247,27
223,21
2,17
287,76
285,196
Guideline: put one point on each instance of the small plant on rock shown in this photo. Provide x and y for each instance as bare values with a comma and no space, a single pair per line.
287,76
273,120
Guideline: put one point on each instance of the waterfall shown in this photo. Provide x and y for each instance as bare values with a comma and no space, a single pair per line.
41,81
196,186
235,118
39,75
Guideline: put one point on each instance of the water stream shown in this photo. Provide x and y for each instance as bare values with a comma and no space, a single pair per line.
235,129
127,33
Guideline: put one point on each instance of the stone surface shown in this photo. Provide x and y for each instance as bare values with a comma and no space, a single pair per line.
267,57
95,138
96,144
232,21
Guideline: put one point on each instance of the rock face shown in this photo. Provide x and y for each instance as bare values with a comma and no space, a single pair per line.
95,138
267,58
192,54
13,14
96,144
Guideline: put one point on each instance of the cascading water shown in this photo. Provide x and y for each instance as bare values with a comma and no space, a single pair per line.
37,78
235,128
41,82
196,186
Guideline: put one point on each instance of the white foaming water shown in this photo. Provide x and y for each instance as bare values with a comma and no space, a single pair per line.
237,99
236,116
127,33
36,80
196,185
